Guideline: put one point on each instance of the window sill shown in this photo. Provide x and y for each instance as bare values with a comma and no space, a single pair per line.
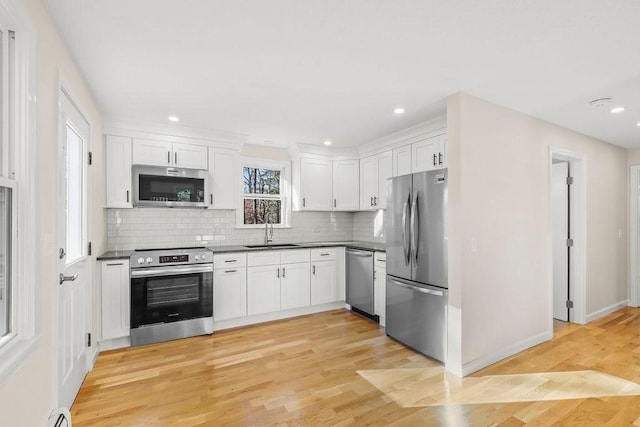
14,353
260,227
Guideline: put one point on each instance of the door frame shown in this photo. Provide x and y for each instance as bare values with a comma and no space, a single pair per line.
63,89
634,235
578,224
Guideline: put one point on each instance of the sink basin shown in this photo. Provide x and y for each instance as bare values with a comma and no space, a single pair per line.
276,246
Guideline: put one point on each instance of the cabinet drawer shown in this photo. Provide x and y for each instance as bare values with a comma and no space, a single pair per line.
380,259
294,255
236,259
267,257
323,254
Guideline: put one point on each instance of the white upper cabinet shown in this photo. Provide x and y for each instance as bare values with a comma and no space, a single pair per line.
171,154
429,154
224,173
374,172
346,185
316,184
118,171
402,160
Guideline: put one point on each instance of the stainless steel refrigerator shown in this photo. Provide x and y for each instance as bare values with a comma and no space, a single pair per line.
417,261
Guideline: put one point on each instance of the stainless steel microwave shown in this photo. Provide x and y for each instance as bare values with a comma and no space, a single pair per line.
169,187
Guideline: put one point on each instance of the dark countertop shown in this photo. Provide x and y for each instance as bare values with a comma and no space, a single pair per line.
370,246
114,255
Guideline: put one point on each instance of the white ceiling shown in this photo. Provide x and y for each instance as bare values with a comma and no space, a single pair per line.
304,71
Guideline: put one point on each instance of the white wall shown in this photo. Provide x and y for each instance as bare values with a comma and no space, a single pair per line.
498,192
28,395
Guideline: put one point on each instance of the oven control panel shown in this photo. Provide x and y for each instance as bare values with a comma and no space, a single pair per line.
160,257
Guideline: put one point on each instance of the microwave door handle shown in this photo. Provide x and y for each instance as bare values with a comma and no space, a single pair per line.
405,235
414,227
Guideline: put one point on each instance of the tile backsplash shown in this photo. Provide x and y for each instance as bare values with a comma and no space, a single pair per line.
173,227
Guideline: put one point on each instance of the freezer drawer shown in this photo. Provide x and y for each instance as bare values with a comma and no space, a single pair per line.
360,280
417,316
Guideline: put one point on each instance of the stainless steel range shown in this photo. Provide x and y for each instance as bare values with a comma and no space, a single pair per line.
171,294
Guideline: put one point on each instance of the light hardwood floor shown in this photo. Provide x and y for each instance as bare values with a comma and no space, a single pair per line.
304,371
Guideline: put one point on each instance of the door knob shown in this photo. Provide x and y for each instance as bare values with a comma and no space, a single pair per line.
64,278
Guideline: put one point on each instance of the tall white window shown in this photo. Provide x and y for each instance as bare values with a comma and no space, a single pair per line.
7,185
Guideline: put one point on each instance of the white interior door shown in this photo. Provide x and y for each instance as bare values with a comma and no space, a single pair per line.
73,279
560,232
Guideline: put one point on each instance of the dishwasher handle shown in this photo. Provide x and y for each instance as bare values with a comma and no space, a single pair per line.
364,254
416,288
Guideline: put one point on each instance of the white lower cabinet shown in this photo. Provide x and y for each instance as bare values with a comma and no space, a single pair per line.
295,286
324,276
380,285
263,289
115,298
229,293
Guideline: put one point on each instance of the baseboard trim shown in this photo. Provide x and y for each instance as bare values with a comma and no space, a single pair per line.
490,359
607,310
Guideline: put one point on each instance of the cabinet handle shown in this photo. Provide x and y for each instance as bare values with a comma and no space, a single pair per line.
169,157
434,160
283,272
304,201
127,196
439,158
371,202
175,155
211,199
314,270
334,203
231,271
278,272
375,201
230,260
374,275
114,264
324,254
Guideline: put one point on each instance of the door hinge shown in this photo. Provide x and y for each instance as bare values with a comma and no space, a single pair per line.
89,250
569,243
569,304
90,157
89,339
569,180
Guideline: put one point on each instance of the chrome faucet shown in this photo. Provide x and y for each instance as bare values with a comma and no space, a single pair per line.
268,232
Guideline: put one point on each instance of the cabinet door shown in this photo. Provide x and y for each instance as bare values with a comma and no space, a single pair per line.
118,171
189,156
425,155
402,160
368,182
316,184
224,175
115,301
229,293
324,279
384,173
263,289
295,286
346,185
152,153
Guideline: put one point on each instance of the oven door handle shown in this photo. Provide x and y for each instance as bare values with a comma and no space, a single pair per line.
170,271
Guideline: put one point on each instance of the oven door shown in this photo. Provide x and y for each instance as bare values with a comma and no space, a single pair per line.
171,294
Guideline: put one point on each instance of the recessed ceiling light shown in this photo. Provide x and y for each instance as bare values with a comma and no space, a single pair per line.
268,142
174,119
600,102
398,110
328,142
616,110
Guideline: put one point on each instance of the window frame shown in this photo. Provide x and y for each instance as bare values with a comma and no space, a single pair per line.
26,287
285,190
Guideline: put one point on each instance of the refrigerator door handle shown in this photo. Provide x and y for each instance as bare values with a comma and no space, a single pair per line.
415,288
405,243
414,227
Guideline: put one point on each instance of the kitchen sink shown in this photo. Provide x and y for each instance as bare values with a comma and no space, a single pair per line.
276,246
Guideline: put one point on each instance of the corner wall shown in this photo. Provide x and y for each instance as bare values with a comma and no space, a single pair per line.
29,394
500,248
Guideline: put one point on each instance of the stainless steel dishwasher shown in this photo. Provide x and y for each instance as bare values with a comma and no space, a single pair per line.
360,281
